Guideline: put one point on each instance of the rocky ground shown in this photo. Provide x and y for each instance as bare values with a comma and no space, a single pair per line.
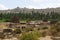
45,38
10,39
41,38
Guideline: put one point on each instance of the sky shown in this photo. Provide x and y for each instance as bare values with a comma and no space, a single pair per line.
37,4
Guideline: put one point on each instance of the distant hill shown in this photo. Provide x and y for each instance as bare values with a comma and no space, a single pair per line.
26,10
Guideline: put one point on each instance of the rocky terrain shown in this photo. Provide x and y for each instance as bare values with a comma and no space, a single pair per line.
27,10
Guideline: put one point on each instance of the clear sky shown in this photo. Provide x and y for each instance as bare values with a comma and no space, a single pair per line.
37,4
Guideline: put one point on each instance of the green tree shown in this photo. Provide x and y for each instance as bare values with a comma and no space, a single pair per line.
15,19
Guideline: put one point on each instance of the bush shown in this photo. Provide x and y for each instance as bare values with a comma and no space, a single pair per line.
15,19
1,35
29,29
45,27
30,36
17,31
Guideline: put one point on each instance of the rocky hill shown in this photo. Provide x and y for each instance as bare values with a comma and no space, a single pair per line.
27,10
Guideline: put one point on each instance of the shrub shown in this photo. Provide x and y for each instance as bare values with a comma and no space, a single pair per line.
30,36
45,27
29,29
15,19
17,31
1,35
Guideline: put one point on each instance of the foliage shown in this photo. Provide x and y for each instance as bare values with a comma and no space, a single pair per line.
29,29
54,29
30,16
45,27
17,31
30,36
15,19
1,35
